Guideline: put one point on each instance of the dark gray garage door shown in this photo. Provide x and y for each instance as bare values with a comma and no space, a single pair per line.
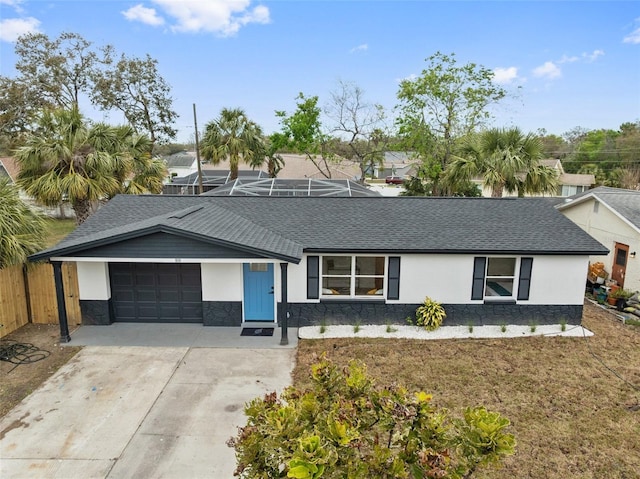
162,293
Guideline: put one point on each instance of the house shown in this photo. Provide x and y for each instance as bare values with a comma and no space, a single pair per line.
211,179
568,183
612,216
181,164
246,186
9,169
299,167
229,260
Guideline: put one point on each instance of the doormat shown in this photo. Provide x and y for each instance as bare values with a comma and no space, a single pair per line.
257,332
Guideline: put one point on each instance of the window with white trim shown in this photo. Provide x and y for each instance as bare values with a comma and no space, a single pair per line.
500,277
353,276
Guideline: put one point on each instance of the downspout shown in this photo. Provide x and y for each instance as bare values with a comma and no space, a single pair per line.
62,307
284,309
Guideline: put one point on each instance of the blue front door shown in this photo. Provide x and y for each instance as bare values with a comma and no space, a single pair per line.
258,292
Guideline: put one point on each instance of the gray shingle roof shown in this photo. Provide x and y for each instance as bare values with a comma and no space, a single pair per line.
625,202
284,226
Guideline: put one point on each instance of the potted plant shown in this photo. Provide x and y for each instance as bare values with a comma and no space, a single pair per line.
597,273
619,297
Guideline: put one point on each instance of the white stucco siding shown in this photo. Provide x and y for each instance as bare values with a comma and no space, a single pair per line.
444,278
221,281
297,282
93,281
558,280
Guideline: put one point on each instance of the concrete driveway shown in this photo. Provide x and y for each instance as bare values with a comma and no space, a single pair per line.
139,412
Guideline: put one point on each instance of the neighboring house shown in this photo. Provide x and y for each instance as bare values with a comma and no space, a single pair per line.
299,166
243,186
211,179
398,163
8,169
568,183
222,261
181,164
612,216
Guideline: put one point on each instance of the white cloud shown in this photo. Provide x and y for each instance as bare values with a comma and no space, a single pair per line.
547,70
215,16
12,28
568,59
360,48
592,57
15,4
143,14
634,36
505,75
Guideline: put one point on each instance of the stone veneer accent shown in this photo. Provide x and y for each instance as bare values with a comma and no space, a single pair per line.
95,312
370,312
222,313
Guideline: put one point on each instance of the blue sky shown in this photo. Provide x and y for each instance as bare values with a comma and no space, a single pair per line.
568,64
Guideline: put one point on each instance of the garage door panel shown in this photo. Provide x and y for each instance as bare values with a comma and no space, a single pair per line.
147,292
149,296
166,295
165,280
191,296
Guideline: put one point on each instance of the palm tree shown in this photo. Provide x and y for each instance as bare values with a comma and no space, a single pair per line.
22,231
233,136
67,159
506,159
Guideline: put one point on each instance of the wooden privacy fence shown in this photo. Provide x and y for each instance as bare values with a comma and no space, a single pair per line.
28,295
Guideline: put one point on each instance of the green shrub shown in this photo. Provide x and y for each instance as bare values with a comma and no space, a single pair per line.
430,315
343,426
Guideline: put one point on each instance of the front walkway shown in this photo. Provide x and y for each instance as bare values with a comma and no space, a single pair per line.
176,335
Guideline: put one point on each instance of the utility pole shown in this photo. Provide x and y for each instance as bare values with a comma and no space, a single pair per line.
195,124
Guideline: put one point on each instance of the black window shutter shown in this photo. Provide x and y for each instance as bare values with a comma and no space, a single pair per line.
393,288
524,284
477,288
313,277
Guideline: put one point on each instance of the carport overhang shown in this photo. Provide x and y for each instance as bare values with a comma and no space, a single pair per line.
82,252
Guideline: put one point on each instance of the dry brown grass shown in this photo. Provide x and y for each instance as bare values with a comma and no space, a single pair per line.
572,416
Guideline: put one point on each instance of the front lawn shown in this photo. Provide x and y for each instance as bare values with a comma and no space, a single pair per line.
57,229
574,403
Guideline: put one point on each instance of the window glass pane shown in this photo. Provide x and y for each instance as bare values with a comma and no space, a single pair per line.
258,267
369,265
501,267
621,257
338,265
368,286
499,288
336,285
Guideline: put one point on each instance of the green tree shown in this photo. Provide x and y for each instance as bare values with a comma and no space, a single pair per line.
507,160
361,124
60,70
135,87
233,135
553,146
69,160
20,105
302,133
445,103
22,231
343,426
